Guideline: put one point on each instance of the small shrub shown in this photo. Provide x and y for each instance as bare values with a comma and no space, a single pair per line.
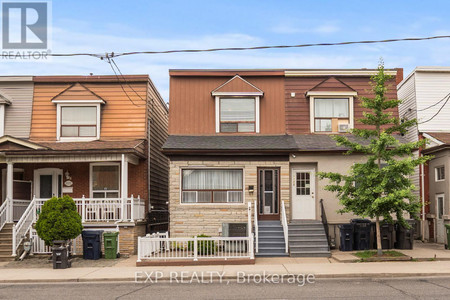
58,220
203,247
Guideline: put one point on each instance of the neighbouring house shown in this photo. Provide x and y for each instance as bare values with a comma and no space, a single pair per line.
97,139
260,137
425,93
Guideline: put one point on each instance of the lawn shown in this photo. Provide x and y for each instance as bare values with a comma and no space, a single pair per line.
372,253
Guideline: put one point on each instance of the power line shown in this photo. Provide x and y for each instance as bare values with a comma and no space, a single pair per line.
124,79
112,54
448,98
108,60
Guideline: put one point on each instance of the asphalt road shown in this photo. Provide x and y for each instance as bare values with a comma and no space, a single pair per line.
396,288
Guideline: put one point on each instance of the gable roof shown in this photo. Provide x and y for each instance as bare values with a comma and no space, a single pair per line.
237,85
12,143
443,137
77,91
4,98
332,84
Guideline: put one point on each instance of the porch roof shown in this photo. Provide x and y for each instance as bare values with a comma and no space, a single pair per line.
136,147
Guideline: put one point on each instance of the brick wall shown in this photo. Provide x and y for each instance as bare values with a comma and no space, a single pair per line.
191,219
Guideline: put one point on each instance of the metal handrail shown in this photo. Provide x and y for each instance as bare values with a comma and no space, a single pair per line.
285,226
325,222
255,221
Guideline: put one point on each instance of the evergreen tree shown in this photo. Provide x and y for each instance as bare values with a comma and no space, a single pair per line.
379,187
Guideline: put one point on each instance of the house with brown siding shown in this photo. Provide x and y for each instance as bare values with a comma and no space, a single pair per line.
259,137
97,139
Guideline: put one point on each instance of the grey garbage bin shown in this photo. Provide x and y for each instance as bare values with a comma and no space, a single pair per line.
60,255
404,236
346,240
362,229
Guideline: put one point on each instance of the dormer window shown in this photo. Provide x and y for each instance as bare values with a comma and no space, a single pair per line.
237,114
77,114
79,121
237,106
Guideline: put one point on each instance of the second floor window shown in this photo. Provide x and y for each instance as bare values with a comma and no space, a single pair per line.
329,113
237,115
440,173
79,121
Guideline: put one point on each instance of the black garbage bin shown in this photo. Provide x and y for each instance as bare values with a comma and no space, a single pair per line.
92,244
404,236
361,234
346,232
387,236
60,255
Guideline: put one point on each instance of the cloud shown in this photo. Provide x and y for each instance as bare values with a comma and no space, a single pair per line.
294,27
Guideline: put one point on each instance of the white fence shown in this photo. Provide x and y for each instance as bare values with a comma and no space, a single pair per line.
196,248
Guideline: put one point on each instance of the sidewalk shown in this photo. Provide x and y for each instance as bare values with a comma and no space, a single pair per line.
321,268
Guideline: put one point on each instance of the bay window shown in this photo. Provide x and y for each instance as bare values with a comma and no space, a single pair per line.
237,115
212,186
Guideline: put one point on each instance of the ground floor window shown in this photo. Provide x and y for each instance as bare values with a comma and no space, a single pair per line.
105,180
212,186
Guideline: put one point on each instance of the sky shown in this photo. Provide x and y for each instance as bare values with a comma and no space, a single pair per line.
104,26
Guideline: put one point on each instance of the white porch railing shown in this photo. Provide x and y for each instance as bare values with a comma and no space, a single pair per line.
285,226
105,209
255,221
23,226
4,213
196,248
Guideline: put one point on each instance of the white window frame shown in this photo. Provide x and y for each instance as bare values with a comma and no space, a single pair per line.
211,203
2,119
91,169
338,95
77,103
440,195
436,174
237,95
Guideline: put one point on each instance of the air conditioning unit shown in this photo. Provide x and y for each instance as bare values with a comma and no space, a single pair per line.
343,127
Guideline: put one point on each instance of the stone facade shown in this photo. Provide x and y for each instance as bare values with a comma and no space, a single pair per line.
191,219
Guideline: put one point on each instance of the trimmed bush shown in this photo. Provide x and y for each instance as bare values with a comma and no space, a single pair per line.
203,247
59,220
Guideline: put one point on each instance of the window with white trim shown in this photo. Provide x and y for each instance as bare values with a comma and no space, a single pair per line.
329,113
105,180
212,186
440,173
237,114
78,121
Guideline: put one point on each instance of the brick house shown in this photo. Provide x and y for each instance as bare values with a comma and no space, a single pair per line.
94,138
259,137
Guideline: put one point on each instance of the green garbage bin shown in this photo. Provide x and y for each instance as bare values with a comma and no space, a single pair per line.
448,236
110,243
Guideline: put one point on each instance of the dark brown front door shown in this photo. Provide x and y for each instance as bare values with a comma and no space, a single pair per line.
268,193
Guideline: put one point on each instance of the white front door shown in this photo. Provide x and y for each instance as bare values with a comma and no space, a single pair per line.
303,194
440,228
47,183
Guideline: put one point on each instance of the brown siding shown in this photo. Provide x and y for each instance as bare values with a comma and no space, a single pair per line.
158,164
237,85
297,108
120,118
192,108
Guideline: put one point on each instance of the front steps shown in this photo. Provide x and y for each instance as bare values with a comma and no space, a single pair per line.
308,239
271,239
6,243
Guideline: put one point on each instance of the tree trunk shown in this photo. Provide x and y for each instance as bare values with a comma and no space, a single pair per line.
378,233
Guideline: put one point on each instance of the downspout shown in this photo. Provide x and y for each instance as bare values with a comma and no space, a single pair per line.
422,191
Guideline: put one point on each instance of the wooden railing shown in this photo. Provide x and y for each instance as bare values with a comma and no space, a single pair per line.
106,209
285,226
196,248
22,227
19,207
4,213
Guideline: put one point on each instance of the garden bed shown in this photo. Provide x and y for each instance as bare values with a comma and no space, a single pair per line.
388,255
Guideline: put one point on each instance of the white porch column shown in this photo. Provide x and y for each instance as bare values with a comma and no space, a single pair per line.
9,188
124,185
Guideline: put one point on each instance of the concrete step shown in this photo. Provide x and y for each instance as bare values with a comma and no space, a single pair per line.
311,254
6,257
271,250
275,238
274,222
305,231
268,254
317,243
271,245
296,248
